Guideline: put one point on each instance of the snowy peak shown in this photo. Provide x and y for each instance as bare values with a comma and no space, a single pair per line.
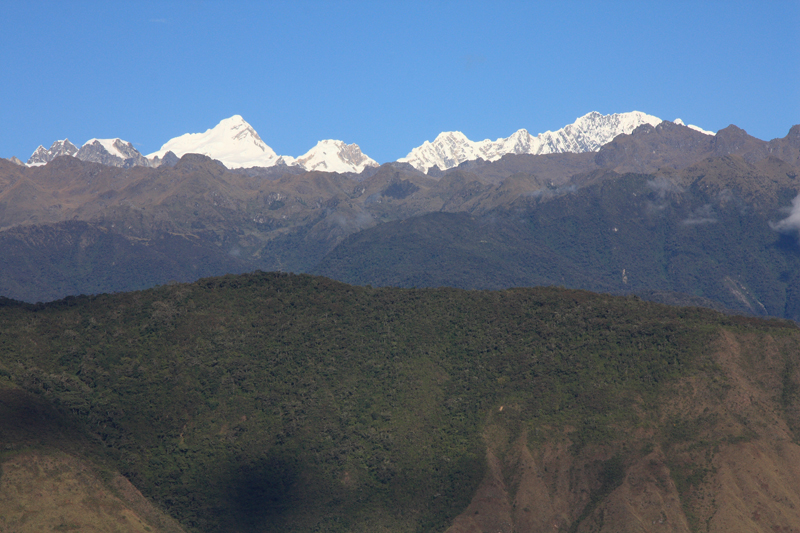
233,141
41,156
591,131
236,144
335,156
448,149
587,134
692,126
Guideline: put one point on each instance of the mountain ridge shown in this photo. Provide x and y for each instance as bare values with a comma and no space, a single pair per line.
144,226
236,144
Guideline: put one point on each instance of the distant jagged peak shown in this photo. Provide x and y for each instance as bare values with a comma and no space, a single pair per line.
115,147
42,156
112,152
587,134
332,155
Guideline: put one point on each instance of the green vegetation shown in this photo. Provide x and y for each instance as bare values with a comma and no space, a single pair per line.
270,402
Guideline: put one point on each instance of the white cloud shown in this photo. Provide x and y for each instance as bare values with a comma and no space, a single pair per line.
792,222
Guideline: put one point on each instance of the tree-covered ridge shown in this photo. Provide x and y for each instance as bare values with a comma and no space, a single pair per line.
270,402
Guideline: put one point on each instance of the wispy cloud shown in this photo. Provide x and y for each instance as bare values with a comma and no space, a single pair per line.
701,215
792,222
663,186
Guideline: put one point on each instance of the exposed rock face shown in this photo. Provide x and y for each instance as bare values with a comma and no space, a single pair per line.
42,156
16,161
45,492
554,490
112,152
169,160
734,140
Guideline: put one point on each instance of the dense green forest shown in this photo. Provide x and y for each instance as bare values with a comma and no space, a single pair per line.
275,402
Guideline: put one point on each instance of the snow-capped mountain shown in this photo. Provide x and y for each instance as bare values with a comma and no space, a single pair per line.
587,134
233,142
236,144
335,156
112,152
41,156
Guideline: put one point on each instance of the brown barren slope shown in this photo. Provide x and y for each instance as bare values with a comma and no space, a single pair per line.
49,482
53,491
721,456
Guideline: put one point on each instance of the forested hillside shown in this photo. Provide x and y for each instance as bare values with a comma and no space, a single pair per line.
269,402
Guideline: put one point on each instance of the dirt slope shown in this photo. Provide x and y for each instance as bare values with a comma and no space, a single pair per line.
721,456
53,491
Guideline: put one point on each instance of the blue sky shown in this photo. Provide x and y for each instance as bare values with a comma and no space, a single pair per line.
387,75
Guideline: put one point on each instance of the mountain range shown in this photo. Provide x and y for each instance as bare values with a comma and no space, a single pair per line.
674,195
236,144
587,134
370,381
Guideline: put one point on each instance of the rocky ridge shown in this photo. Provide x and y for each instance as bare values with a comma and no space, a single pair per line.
113,153
42,156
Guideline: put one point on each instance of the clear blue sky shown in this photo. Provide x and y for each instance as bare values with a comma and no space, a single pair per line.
387,75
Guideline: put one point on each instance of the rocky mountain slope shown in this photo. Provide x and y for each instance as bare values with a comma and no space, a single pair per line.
711,230
112,152
56,476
